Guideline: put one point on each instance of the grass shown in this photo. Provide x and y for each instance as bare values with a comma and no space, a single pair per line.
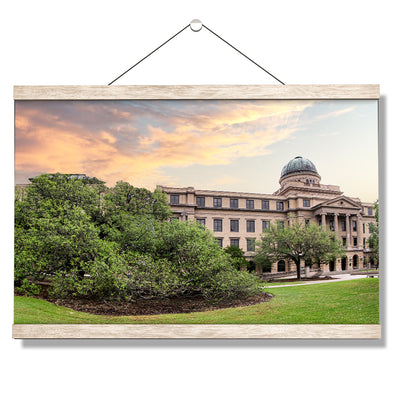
346,302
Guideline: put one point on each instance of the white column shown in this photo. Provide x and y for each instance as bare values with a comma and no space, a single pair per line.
359,231
323,215
336,224
348,229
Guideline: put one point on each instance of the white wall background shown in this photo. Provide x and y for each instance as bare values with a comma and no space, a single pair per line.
301,42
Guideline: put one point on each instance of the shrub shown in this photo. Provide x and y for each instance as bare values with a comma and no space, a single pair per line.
201,263
119,247
99,278
137,276
228,285
146,277
101,281
62,243
28,288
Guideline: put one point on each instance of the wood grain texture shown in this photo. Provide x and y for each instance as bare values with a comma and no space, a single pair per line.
213,92
36,331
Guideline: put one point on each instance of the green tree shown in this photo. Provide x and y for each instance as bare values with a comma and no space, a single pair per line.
130,216
116,243
263,262
373,240
54,230
183,259
299,241
237,256
131,232
136,201
200,263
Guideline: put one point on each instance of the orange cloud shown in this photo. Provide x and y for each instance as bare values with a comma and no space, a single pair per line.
137,147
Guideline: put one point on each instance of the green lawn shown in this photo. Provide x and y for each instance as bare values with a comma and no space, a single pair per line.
281,283
346,302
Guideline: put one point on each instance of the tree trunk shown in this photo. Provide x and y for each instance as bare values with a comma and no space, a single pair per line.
297,262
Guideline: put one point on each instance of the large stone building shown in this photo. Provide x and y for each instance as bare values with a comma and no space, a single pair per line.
238,218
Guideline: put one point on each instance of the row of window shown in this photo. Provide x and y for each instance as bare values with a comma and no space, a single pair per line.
234,203
250,243
344,228
355,241
234,224
250,225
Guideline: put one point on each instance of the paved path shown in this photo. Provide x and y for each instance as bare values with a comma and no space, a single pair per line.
336,278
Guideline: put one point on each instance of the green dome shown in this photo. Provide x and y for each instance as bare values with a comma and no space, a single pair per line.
298,164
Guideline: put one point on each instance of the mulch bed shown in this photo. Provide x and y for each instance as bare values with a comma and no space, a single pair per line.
155,306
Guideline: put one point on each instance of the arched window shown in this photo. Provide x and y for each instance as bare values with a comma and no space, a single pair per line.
281,266
355,261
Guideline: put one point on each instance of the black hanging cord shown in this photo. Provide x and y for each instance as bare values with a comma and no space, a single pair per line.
176,34
148,55
244,55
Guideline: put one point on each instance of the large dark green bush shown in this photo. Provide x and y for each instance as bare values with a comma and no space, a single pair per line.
186,261
136,201
116,244
201,263
126,277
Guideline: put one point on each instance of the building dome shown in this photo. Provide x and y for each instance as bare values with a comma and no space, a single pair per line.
298,165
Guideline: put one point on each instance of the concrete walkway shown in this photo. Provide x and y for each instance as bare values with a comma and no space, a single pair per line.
336,278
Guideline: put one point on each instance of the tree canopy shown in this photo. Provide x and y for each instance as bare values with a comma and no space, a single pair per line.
116,243
238,258
297,242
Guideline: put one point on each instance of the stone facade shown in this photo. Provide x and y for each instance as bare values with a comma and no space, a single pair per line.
237,218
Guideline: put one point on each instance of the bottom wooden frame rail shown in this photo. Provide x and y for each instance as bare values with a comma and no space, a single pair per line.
167,331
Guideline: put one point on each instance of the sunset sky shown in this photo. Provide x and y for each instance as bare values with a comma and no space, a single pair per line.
233,145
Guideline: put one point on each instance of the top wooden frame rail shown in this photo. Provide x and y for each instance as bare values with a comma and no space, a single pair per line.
197,92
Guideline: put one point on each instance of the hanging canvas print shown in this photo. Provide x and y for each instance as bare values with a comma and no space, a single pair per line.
226,212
